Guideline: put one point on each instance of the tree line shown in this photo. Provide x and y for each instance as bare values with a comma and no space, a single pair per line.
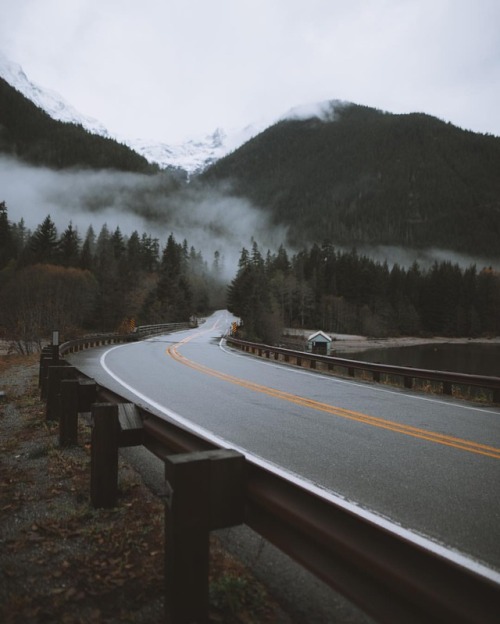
103,281
106,281
344,292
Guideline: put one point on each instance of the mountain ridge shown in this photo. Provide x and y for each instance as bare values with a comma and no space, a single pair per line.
191,156
368,177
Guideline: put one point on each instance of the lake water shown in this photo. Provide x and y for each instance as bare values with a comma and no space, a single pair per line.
471,358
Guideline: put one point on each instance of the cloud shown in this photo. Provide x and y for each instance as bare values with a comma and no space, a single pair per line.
171,70
210,220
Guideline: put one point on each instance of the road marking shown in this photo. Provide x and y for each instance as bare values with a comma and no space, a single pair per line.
321,491
415,432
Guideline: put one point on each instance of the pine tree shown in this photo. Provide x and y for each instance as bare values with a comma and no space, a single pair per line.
7,246
88,250
43,243
68,251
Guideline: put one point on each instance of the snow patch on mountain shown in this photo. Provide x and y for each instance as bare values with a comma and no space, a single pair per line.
196,154
49,101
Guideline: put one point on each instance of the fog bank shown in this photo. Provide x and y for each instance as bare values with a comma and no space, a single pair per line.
210,220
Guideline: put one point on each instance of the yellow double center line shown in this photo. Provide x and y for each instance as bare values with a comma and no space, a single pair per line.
415,432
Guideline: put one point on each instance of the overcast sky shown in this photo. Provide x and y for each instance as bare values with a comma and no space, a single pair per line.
171,69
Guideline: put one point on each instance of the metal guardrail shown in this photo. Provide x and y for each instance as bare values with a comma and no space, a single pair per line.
392,575
447,379
141,332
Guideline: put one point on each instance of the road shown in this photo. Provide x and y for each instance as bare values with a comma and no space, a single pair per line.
429,465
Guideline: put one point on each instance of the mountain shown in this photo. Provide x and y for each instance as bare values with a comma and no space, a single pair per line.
28,133
358,176
191,156
196,154
49,101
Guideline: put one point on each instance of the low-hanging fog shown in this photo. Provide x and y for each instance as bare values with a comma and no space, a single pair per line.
210,220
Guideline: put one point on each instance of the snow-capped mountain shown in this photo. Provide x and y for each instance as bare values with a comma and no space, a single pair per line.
49,101
192,155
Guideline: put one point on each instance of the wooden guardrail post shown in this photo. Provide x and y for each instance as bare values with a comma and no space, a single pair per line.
68,419
55,376
87,394
45,355
447,388
45,362
104,455
186,540
205,492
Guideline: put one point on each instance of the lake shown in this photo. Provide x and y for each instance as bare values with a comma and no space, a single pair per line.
472,358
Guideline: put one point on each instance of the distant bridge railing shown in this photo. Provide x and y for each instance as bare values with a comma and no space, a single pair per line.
99,340
328,363
392,574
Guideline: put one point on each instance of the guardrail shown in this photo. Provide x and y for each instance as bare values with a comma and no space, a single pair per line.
328,363
99,340
391,574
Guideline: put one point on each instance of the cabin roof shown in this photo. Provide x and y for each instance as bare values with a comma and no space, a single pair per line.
319,336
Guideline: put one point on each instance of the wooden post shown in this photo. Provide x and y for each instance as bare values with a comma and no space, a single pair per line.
87,394
44,355
55,376
187,539
104,455
45,362
408,382
447,388
205,491
68,418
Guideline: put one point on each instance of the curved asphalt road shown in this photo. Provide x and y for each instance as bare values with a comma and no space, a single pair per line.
431,465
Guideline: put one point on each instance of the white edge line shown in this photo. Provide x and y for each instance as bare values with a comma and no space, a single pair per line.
375,387
333,497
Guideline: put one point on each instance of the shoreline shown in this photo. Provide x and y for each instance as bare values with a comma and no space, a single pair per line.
349,344
345,343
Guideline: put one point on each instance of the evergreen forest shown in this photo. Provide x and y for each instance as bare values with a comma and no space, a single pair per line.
103,281
365,177
107,281
347,293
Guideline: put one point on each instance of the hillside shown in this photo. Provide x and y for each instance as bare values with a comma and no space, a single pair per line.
362,176
30,134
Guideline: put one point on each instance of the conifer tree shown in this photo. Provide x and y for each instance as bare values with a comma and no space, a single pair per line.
7,247
68,251
88,250
43,243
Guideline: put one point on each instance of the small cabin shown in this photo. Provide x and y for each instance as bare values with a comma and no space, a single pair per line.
320,343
